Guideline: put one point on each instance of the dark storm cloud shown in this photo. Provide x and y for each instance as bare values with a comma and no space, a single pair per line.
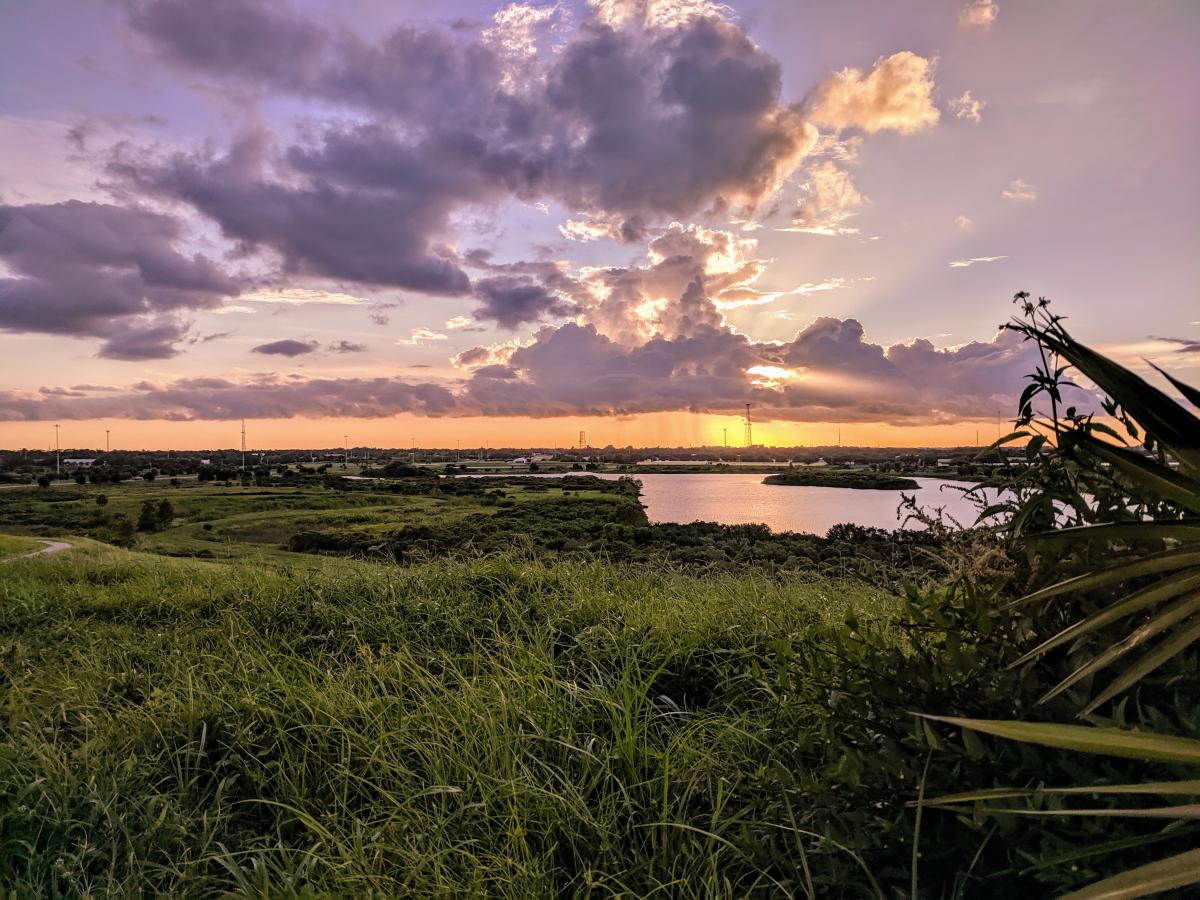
287,347
103,271
217,398
514,300
361,214
633,122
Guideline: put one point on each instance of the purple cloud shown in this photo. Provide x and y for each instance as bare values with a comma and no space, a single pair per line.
103,271
287,347
221,399
827,372
633,121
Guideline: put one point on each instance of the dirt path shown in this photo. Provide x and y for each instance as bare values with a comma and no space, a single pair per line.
51,547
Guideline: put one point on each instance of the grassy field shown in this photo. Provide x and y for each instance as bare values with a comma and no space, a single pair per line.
218,521
16,546
488,728
519,689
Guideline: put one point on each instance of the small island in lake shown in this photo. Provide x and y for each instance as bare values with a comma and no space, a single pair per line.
871,481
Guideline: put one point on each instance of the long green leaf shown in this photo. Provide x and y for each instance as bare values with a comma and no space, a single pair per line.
1164,652
1172,615
1177,871
1185,811
1086,738
1145,474
1135,602
1187,788
1154,564
1187,390
1172,425
1184,530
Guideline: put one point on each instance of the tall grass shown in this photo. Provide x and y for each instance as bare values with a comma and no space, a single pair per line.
477,728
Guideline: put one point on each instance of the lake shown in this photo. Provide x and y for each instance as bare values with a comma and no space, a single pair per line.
740,498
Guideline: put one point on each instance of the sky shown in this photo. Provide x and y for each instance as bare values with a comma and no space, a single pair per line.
507,224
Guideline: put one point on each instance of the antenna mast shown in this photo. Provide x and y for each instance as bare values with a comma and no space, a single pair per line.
749,437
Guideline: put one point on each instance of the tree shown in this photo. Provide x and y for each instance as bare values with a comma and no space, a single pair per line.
166,512
44,481
149,475
148,518
101,500
123,534
80,478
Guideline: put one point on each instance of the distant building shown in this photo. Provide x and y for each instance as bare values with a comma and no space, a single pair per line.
532,458
944,463
79,463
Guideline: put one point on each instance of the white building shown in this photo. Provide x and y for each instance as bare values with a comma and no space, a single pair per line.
79,463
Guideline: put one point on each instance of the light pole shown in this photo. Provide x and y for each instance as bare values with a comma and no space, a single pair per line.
57,454
106,447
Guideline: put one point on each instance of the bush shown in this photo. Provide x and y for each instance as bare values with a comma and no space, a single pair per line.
148,518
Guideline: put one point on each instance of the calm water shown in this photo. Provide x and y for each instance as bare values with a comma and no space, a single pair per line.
740,498
737,499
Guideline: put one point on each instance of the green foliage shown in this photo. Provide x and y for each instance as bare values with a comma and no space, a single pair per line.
148,518
1114,554
164,513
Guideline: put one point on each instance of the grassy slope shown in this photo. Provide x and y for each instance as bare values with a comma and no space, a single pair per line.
243,521
12,545
485,728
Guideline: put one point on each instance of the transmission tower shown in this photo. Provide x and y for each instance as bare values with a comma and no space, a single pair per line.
582,439
749,437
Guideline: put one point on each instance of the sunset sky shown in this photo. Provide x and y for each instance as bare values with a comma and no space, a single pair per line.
474,222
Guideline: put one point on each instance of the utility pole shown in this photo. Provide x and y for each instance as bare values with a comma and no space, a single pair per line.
106,447
345,449
725,437
243,447
57,453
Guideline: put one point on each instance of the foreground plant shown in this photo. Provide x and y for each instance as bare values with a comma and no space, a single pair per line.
1111,519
